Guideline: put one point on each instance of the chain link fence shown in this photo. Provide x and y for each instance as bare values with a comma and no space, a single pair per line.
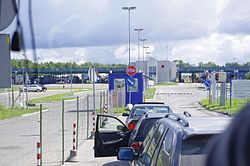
53,128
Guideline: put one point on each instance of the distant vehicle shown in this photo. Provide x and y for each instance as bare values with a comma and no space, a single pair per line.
143,108
44,88
61,82
32,88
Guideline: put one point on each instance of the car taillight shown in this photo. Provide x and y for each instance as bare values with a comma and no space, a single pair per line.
136,146
131,126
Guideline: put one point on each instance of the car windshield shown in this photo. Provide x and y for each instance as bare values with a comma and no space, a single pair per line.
138,111
194,150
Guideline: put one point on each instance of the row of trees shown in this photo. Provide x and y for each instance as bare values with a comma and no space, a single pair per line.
20,63
180,63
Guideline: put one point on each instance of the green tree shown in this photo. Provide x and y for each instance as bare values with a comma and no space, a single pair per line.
209,64
180,63
248,76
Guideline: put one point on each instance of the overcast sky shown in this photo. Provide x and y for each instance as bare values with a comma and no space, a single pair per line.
97,30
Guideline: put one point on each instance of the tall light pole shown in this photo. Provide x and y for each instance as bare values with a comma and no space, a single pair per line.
148,54
138,30
143,40
167,52
129,9
146,47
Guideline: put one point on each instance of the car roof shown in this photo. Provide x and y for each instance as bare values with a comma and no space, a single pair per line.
206,125
191,126
160,105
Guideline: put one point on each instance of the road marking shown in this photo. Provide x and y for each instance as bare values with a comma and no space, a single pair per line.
25,115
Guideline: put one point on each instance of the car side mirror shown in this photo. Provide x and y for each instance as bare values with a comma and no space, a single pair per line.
120,128
125,114
126,154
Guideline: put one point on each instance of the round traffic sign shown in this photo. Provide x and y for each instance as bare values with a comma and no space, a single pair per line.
131,70
19,78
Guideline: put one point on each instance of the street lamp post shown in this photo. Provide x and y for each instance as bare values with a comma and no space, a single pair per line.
129,9
138,30
146,47
143,40
148,54
167,52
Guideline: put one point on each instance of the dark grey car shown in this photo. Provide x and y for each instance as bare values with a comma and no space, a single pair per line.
176,141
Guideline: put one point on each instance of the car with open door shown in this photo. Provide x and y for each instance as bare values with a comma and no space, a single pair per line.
111,134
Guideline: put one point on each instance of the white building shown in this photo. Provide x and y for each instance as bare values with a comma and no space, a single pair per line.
161,71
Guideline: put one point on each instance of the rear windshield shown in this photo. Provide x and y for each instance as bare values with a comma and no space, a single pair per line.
138,111
141,132
194,150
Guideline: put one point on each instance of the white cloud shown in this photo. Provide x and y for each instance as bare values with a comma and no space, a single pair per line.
219,48
211,30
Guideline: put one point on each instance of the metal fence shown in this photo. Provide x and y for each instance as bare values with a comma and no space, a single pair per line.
53,128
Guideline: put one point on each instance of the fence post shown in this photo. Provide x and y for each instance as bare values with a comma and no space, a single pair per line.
104,98
93,121
41,133
87,116
77,121
101,103
74,136
107,99
38,155
62,132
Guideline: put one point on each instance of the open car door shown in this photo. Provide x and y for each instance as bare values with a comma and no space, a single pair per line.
111,134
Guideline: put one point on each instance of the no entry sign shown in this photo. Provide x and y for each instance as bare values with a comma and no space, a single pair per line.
131,70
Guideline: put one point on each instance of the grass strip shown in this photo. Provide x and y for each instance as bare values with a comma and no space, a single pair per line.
236,105
166,84
7,113
149,93
57,97
117,110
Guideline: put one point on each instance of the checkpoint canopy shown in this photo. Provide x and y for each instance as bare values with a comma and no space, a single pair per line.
126,89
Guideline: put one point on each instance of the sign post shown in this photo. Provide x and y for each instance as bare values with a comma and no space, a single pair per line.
131,71
92,77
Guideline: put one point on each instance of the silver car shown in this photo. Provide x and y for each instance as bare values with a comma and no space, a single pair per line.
32,88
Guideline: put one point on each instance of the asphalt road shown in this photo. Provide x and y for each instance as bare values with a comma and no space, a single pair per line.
184,97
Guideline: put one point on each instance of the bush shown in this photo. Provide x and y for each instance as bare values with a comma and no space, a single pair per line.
248,76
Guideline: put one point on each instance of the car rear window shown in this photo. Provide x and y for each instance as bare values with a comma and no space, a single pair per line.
138,111
144,128
194,150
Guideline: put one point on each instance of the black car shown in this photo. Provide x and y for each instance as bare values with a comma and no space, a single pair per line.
176,141
172,141
141,129
143,108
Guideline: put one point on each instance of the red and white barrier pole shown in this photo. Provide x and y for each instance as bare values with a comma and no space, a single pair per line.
74,136
93,118
105,109
38,156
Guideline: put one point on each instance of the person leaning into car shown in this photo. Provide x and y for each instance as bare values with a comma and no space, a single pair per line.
232,148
